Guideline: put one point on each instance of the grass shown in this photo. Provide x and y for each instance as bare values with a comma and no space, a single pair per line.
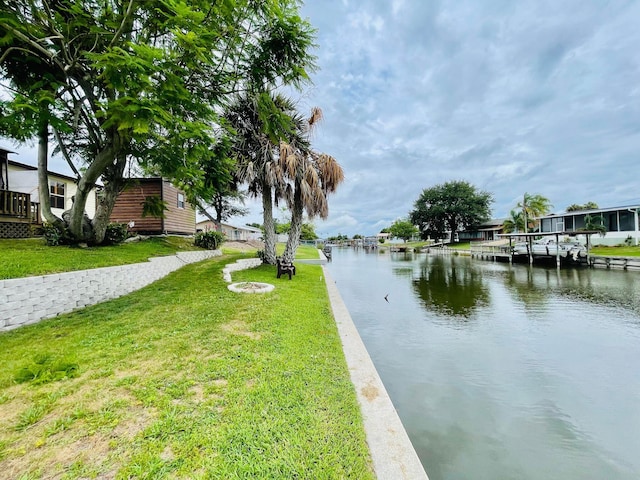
186,380
306,252
460,245
618,251
29,257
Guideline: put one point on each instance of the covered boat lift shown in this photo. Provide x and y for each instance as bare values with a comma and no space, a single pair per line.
529,237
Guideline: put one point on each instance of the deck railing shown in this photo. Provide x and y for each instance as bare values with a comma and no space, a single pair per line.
18,205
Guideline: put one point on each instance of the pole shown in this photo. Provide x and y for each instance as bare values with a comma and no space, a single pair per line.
524,211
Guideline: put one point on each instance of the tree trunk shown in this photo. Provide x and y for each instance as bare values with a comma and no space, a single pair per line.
269,226
104,161
43,177
296,227
453,226
113,183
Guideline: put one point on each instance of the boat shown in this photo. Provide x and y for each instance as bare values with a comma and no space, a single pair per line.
548,247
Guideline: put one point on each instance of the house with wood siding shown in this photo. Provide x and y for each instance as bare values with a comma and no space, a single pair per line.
179,217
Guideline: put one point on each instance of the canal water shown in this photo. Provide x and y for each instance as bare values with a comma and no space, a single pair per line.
503,371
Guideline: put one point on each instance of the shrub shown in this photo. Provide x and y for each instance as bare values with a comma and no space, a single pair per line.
115,233
210,240
261,255
46,368
55,235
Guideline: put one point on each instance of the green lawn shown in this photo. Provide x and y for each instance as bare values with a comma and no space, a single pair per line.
185,380
621,251
28,257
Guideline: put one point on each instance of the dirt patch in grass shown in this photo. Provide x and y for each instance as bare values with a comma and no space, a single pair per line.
10,409
64,450
238,327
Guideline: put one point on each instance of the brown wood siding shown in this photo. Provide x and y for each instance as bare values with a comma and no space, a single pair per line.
128,206
177,220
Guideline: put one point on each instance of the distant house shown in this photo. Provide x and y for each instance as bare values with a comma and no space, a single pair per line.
621,223
232,233
20,198
179,217
484,232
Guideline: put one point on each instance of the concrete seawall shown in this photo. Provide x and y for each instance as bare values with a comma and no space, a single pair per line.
393,455
24,301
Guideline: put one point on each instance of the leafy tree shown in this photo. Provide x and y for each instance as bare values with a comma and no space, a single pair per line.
595,223
587,206
225,206
283,228
308,231
452,206
154,206
515,222
357,236
403,229
533,206
138,81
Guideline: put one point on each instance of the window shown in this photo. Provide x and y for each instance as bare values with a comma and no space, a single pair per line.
568,224
180,200
57,195
626,221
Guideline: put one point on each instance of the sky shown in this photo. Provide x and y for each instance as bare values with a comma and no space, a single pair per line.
530,96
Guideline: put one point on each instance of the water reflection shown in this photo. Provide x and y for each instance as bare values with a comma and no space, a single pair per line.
451,288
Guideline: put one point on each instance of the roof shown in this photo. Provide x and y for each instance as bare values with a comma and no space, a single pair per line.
32,168
595,210
570,233
494,222
244,227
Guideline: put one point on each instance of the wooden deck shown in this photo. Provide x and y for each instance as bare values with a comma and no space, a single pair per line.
16,207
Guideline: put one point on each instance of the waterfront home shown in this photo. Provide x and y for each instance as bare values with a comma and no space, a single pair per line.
231,232
621,224
20,198
484,232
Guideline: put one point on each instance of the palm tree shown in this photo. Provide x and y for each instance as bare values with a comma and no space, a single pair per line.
515,222
314,175
260,121
533,206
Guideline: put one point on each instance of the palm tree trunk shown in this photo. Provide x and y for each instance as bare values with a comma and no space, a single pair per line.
269,226
296,227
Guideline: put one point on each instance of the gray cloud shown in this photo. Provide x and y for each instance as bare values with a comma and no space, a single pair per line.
535,96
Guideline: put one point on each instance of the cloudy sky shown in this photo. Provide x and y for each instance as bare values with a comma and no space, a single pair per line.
530,96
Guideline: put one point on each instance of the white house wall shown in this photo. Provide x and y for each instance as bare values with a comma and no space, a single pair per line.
26,181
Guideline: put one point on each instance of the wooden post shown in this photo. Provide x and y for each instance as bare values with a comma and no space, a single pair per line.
557,251
510,250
